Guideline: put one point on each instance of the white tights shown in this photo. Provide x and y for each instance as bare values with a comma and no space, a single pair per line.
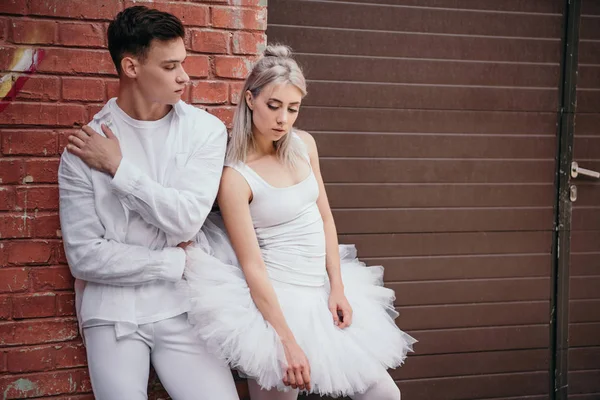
385,389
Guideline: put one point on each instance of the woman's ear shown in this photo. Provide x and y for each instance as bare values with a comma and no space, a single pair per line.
249,99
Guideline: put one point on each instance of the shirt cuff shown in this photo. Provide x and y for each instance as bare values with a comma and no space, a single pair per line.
126,178
174,264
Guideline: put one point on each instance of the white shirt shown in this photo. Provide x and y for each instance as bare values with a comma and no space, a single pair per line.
120,234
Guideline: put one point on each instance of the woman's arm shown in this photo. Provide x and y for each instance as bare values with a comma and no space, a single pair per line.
331,241
233,199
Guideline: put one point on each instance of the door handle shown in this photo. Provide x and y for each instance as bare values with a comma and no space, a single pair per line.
576,170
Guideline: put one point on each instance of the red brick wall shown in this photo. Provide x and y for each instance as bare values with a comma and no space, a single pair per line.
62,43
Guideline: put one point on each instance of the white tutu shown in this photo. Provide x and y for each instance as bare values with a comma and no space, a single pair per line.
342,361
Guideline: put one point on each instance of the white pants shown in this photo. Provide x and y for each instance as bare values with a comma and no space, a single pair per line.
385,389
119,369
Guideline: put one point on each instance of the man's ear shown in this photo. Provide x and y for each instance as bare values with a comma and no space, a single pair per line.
129,67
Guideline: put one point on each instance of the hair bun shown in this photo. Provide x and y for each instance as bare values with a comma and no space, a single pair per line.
278,50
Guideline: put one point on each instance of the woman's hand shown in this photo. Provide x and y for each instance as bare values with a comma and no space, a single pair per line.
297,374
338,304
184,245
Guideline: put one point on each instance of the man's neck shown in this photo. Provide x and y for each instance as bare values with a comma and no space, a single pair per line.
137,107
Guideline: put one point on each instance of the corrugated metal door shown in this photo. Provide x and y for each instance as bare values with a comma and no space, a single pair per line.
436,122
584,310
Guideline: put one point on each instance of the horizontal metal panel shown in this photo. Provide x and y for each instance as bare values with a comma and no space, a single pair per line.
589,53
429,121
585,310
587,124
481,339
496,387
315,40
431,72
436,171
530,6
583,264
424,268
354,195
445,365
470,291
584,334
413,19
584,358
585,241
581,382
443,220
588,76
431,97
431,244
585,287
473,315
347,144
590,27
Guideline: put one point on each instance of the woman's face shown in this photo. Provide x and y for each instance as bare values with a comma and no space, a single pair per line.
274,110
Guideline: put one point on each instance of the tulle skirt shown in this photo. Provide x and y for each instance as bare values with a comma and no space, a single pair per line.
342,361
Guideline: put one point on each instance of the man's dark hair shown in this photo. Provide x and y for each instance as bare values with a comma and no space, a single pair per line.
133,29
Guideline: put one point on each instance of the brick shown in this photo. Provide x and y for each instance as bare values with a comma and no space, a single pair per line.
84,89
5,308
51,278
34,305
3,28
59,253
15,226
3,366
225,114
249,42
249,3
101,9
33,31
7,200
235,92
19,333
13,7
26,142
46,225
232,67
30,359
209,92
112,88
214,42
197,66
49,383
83,34
18,113
239,18
13,280
37,197
190,14
11,170
77,61
29,252
41,170
44,88
70,355
65,304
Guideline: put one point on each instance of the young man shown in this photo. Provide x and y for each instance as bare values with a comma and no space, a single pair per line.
130,202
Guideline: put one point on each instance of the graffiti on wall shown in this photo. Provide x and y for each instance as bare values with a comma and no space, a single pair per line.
24,63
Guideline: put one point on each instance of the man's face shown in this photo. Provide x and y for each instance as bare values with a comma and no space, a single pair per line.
161,77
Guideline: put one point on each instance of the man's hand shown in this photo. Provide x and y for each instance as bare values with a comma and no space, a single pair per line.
98,152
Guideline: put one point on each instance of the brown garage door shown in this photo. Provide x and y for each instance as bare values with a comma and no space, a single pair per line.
436,123
584,310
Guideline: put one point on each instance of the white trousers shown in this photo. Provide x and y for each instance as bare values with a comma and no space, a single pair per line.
119,369
385,389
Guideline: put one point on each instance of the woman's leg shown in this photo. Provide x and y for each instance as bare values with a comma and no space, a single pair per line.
256,393
385,389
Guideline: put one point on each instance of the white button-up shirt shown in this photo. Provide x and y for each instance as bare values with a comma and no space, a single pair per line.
120,234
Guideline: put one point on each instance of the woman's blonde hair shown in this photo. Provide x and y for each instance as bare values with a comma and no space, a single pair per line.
275,66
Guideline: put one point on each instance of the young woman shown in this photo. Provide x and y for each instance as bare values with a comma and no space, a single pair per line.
276,296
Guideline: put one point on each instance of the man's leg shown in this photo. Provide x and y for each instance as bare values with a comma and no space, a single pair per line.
185,368
119,369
